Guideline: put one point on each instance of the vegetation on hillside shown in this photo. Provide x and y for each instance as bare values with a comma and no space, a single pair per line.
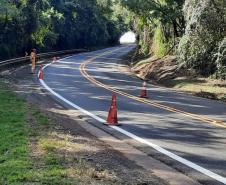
158,23
205,29
193,30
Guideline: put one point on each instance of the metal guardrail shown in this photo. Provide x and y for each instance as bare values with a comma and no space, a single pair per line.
21,60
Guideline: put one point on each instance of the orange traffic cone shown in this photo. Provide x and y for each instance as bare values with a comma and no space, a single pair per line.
143,92
112,115
41,75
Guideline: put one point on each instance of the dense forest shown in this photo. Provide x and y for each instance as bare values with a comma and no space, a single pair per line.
192,30
58,24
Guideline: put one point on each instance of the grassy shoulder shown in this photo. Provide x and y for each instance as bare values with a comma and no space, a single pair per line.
33,151
203,87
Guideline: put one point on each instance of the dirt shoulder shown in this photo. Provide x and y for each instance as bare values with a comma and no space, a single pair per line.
64,142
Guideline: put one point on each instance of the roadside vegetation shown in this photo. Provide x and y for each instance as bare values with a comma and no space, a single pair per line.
182,44
59,25
35,151
193,31
203,87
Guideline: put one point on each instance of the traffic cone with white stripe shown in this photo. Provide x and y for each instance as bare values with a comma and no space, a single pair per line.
112,115
143,92
41,75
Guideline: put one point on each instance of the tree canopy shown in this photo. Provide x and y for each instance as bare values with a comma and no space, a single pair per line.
58,24
192,30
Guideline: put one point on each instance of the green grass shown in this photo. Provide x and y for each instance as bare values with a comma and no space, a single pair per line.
14,161
51,160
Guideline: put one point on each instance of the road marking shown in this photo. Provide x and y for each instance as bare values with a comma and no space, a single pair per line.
90,56
139,139
215,122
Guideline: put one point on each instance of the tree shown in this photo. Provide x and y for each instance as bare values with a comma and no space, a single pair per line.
57,24
204,30
162,18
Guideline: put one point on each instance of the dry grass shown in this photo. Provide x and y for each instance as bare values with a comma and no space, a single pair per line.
145,62
200,86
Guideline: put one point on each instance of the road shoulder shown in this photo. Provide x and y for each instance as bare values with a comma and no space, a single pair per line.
133,165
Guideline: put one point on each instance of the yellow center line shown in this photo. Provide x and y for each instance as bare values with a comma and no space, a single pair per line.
215,122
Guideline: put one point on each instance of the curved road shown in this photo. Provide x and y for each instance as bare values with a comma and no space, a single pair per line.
189,127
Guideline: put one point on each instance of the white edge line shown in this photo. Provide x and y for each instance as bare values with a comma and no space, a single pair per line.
133,136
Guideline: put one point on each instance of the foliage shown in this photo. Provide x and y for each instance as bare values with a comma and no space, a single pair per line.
205,28
63,24
154,15
193,28
221,60
160,46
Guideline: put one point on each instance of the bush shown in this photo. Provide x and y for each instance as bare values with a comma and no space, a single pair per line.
160,45
204,29
221,60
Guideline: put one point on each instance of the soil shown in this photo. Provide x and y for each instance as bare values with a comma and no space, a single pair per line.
157,69
98,154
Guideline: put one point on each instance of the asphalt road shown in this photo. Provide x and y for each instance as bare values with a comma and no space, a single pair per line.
190,127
